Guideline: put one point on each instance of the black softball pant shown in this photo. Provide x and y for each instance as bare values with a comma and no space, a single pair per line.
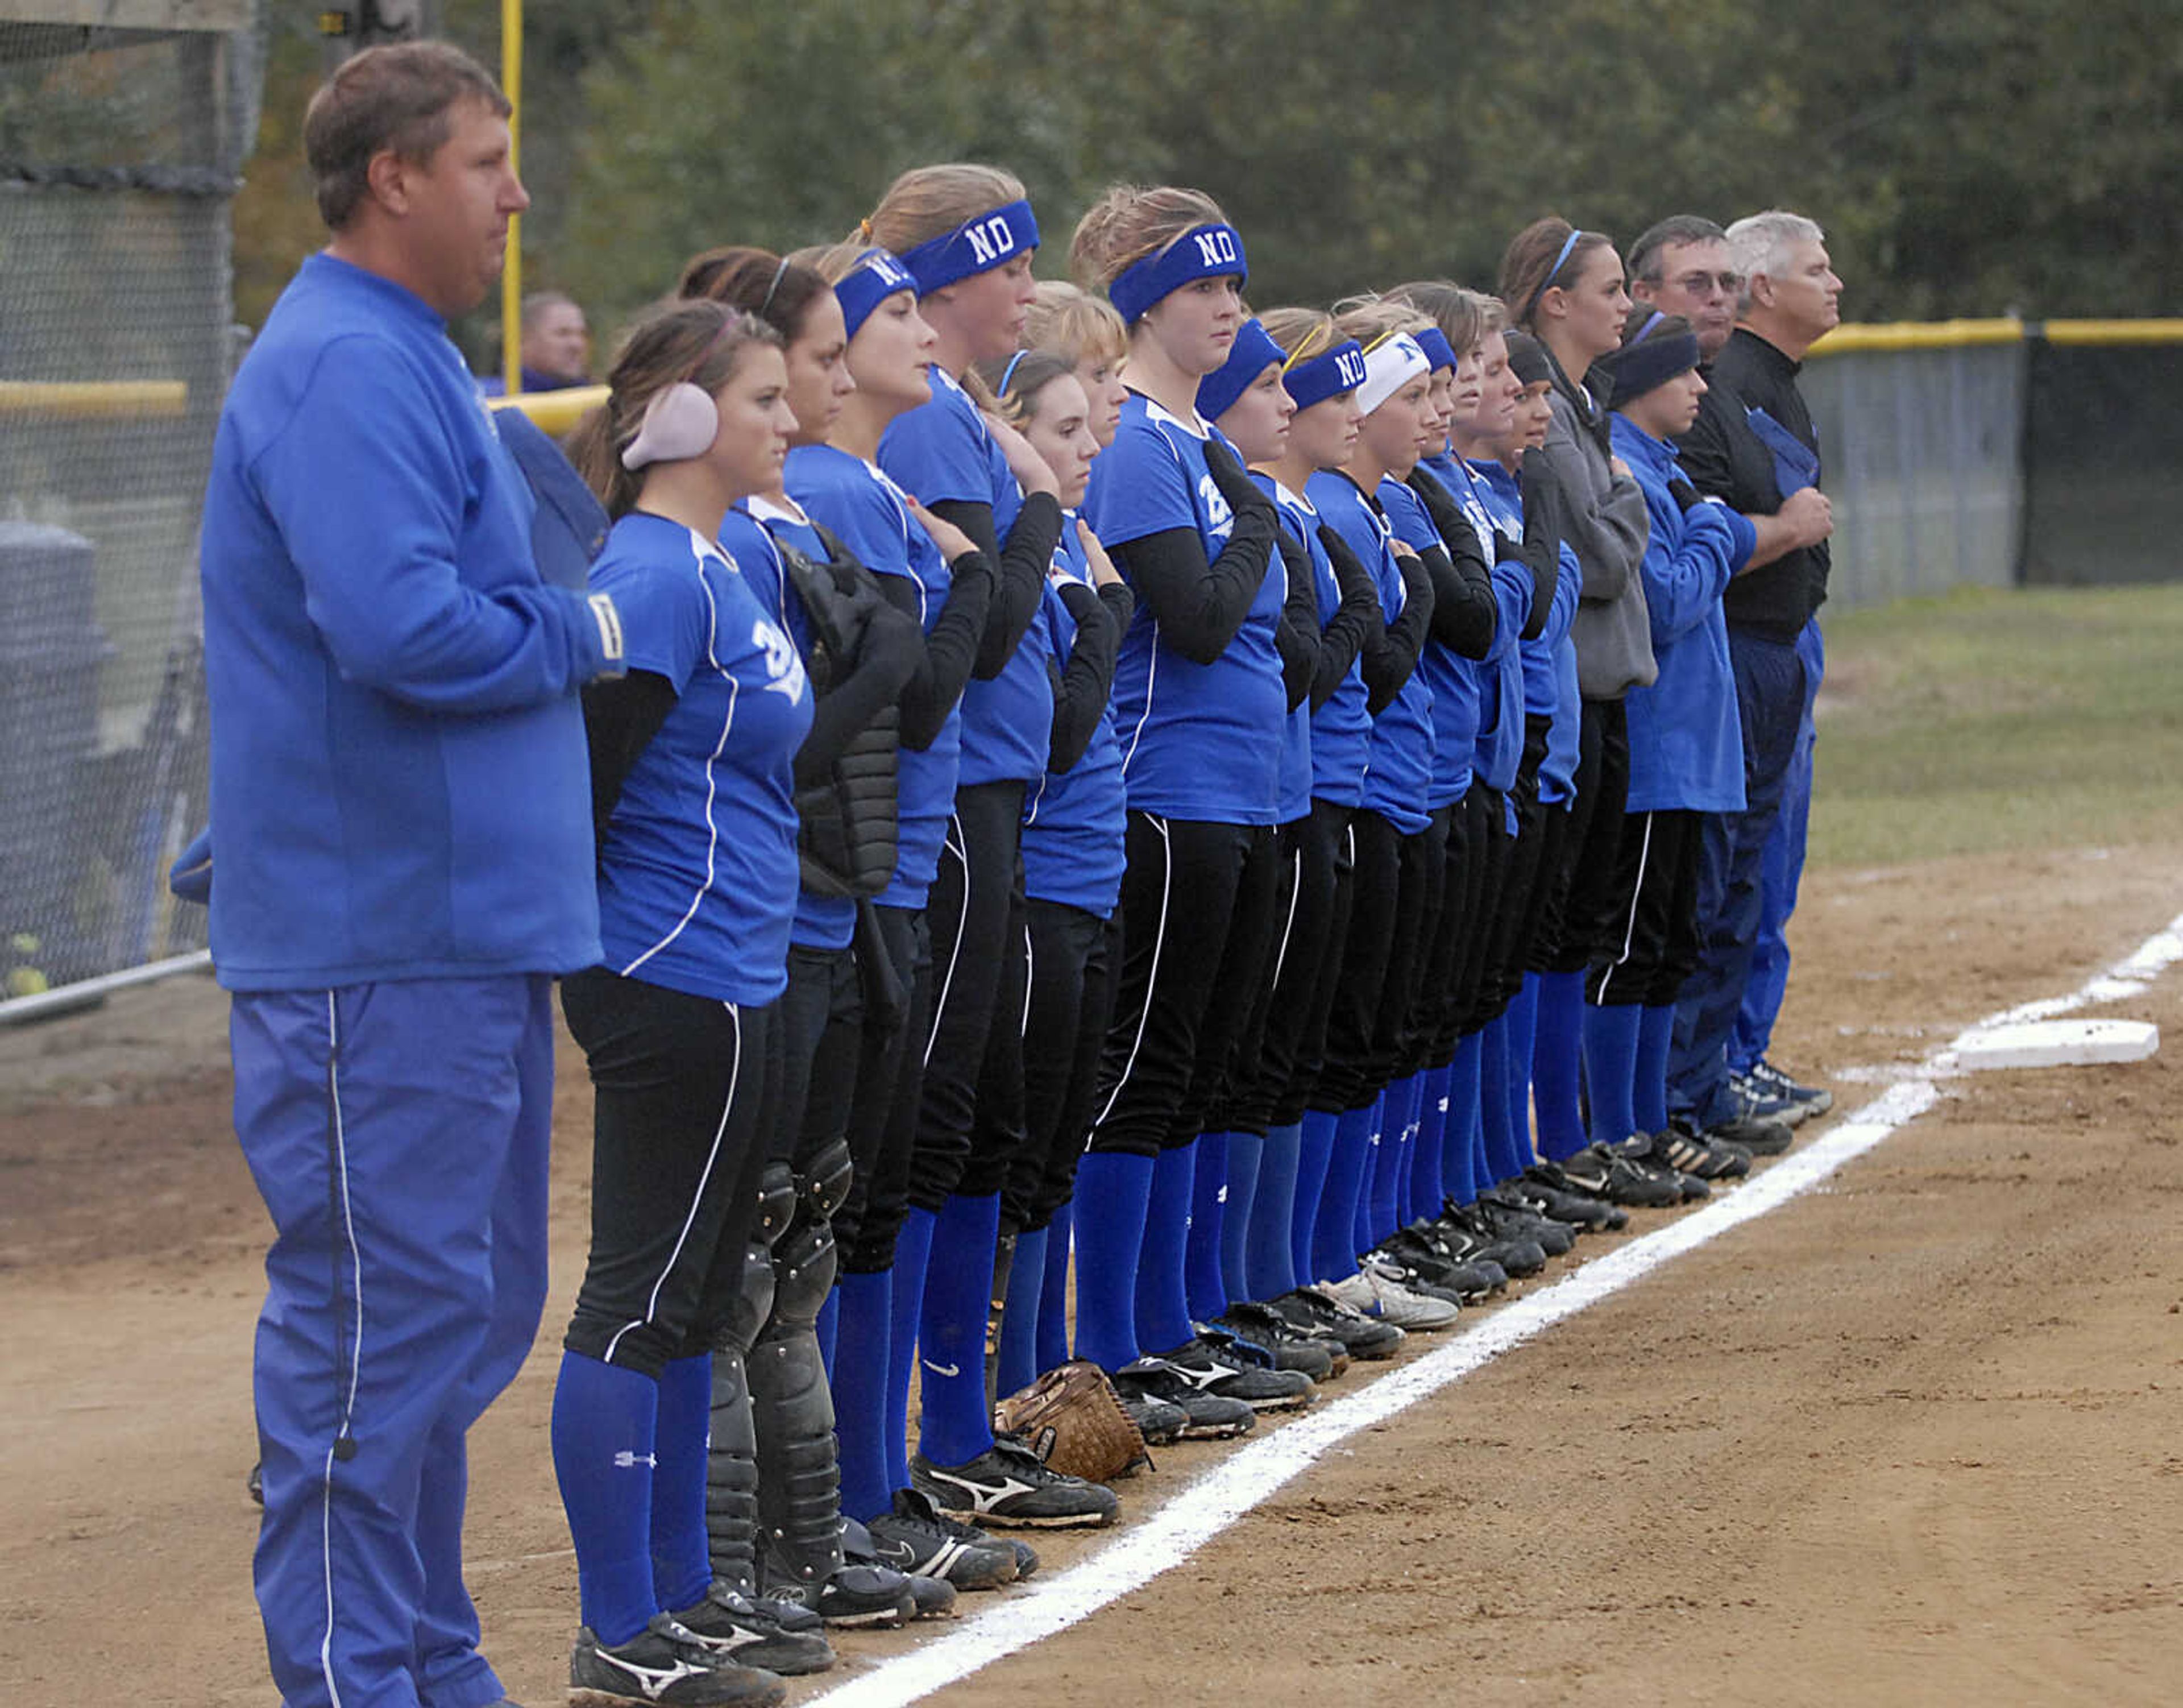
1197,914
1658,948
1075,957
883,1111
1595,901
1380,957
822,1021
1311,909
976,917
686,1090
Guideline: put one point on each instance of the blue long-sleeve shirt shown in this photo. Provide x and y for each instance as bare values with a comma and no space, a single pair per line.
398,769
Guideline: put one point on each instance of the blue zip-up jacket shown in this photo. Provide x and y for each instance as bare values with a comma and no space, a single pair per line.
398,768
1550,686
1685,741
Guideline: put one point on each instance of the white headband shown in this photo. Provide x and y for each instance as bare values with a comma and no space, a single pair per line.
1389,365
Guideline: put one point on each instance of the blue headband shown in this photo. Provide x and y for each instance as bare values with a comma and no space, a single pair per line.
1204,252
875,276
976,246
1546,283
1252,353
1341,369
1438,351
1646,361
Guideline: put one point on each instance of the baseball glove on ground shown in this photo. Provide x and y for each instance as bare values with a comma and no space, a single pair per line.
1073,1420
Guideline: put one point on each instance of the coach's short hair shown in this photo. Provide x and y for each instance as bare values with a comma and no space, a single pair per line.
1643,259
1760,243
397,97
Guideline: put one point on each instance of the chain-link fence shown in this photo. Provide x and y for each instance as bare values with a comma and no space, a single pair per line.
121,149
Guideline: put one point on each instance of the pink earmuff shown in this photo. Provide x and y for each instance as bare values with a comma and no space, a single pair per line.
681,422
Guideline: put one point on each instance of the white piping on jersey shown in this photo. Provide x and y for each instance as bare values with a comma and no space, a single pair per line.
700,550
1152,979
697,1194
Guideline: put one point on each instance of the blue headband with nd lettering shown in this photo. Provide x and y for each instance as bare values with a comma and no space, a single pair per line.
978,245
1203,251
1253,353
1438,351
1317,378
876,276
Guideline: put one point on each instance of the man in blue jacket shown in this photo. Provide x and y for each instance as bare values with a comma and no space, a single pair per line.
399,785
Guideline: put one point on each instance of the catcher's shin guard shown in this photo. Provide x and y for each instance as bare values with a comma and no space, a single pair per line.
731,1512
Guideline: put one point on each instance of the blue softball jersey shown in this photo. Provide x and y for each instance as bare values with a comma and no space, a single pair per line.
397,760
750,536
1075,821
1293,795
1549,660
697,870
1685,739
1398,775
1453,679
940,452
865,509
1198,741
1341,728
1498,752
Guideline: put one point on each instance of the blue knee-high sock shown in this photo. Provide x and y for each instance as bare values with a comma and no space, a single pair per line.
1382,1140
956,1426
913,1252
1334,1239
1406,1205
1111,1192
1610,1068
604,1419
1427,1187
1459,1164
1163,1291
1392,1163
1269,1255
1054,1297
681,1561
1016,1365
1648,1091
1246,1155
1523,1019
861,1368
1315,1161
1555,1051
830,1331
1204,1286
1507,1154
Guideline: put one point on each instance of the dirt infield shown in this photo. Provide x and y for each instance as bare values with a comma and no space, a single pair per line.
1916,1436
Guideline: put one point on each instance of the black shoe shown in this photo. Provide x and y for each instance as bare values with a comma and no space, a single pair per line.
1471,1277
1204,1366
931,1596
1545,1190
1262,1326
664,1665
1747,1133
753,1634
1608,1175
1768,1082
1010,1485
1206,1416
1636,1150
1698,1154
1362,1336
1161,1422
856,1594
1471,1233
1508,1216
913,1539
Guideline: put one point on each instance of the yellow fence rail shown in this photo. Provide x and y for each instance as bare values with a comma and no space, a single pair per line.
555,412
94,399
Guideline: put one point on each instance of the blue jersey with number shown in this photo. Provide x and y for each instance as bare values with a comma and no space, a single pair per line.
1341,728
1453,679
1198,741
697,871
1075,821
1295,792
865,509
940,452
1399,774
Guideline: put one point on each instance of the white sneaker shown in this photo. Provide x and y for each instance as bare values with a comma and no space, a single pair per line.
1383,1296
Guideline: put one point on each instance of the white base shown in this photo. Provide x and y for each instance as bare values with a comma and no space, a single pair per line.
2058,1044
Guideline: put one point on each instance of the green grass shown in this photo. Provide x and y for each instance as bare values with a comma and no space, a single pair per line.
1988,720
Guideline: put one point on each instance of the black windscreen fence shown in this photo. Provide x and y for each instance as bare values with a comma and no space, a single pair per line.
2102,464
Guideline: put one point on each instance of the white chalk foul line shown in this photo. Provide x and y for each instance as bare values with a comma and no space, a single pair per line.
1250,1476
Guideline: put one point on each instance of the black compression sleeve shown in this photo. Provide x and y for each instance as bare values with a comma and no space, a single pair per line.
621,715
1201,605
1387,671
1358,624
1023,560
951,646
1088,678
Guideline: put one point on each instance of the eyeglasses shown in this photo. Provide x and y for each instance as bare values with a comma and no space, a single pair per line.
1704,284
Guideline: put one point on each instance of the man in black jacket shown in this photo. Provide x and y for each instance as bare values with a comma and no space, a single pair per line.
1754,446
